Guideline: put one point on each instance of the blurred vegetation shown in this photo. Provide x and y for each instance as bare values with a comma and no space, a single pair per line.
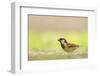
49,40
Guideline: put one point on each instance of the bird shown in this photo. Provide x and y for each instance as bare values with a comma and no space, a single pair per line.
66,46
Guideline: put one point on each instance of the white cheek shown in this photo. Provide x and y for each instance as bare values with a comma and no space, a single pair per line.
63,42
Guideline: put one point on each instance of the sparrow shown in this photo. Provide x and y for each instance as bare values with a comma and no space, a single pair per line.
68,47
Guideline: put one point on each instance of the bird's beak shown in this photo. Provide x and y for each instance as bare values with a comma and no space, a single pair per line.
58,40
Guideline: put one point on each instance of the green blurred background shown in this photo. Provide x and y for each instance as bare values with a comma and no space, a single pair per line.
49,40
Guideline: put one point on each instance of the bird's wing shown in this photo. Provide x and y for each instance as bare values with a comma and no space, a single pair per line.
72,45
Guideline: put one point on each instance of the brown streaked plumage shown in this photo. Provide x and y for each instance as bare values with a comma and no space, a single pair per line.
68,47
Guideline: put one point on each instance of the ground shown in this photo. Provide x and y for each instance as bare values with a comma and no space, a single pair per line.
56,54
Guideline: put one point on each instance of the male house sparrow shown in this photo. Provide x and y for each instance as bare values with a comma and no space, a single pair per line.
68,47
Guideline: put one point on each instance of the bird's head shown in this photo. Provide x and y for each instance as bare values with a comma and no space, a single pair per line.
62,40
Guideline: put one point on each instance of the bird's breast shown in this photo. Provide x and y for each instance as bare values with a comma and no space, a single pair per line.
67,49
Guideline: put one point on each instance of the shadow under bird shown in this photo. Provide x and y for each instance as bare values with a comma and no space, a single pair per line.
68,47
